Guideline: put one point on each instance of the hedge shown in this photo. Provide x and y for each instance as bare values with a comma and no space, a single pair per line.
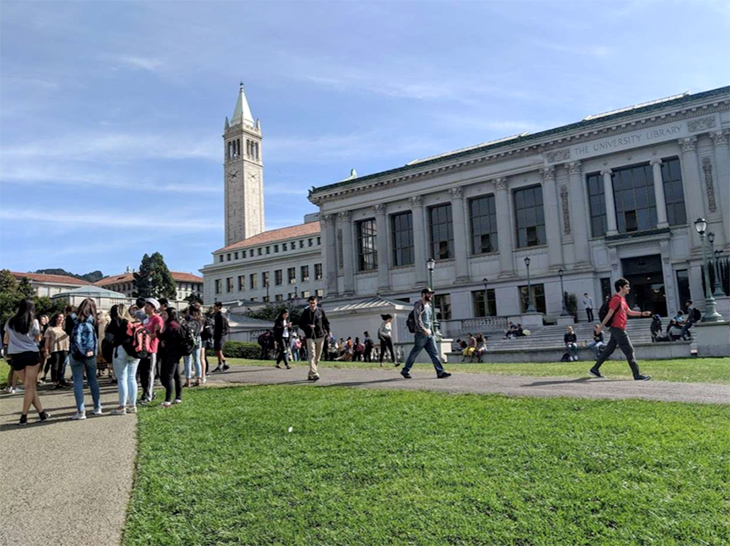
239,349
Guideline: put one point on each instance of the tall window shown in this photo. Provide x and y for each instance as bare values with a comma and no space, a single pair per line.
229,284
633,191
241,283
442,232
402,230
530,217
597,205
279,297
317,272
304,273
673,191
477,298
442,305
265,278
319,293
278,277
253,283
218,286
291,274
483,225
538,297
366,245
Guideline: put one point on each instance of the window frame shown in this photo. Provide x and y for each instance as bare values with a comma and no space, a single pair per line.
403,251
534,232
443,224
367,245
489,203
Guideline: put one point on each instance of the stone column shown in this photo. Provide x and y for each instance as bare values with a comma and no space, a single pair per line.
580,217
722,167
610,202
552,218
381,222
504,228
661,204
348,254
330,256
461,251
420,240
692,188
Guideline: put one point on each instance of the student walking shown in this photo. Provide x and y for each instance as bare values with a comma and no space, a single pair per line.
423,314
385,336
57,343
84,347
170,337
316,329
282,327
588,306
194,321
24,333
220,332
571,343
147,366
616,318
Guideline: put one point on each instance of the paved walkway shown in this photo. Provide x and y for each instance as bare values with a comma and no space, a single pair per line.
389,378
65,483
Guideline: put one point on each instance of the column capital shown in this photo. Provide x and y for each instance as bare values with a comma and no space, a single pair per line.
457,193
329,218
548,173
720,138
345,215
688,144
381,208
417,201
655,162
501,183
605,172
575,167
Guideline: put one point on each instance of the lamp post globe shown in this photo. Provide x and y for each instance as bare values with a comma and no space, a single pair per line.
711,314
431,264
530,307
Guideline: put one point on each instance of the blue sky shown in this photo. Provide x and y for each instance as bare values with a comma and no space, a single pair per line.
111,113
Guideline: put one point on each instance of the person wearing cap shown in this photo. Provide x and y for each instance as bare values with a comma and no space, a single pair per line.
385,335
154,324
423,314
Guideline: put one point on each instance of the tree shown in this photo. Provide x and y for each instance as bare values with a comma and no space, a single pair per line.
194,297
154,279
271,310
11,292
25,288
8,282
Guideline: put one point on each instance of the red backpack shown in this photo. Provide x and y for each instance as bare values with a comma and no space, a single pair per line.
138,341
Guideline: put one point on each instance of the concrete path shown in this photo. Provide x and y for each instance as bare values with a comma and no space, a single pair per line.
65,483
389,378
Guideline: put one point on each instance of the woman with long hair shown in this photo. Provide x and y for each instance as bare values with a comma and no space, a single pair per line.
24,333
282,329
194,320
170,372
56,348
124,358
385,335
84,347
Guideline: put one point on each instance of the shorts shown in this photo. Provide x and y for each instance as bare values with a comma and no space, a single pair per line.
218,344
20,361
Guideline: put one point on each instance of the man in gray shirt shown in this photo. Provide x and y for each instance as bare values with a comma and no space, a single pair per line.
588,306
423,315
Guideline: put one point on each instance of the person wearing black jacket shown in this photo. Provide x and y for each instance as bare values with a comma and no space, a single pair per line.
571,343
282,330
170,338
316,329
220,331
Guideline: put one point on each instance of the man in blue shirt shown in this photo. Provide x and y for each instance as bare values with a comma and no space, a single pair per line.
423,314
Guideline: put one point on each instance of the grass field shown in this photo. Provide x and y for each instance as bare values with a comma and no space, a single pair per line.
697,370
368,467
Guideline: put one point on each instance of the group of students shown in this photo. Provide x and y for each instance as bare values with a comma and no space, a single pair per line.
679,326
473,347
144,341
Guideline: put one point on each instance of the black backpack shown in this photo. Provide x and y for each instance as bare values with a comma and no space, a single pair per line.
411,322
696,315
187,337
225,327
207,332
602,312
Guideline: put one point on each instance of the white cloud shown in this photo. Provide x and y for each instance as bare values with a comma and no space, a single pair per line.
142,63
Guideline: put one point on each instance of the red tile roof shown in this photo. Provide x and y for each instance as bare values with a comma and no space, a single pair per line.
282,234
51,279
129,277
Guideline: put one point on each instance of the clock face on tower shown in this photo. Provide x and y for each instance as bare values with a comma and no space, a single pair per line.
253,177
233,175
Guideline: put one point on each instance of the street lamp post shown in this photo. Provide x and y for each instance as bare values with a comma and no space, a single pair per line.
486,298
717,289
296,294
431,264
267,292
711,314
563,312
530,307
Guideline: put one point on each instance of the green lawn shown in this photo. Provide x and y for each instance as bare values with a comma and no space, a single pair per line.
697,370
369,467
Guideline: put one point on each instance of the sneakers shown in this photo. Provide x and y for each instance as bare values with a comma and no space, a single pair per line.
313,377
10,390
225,366
78,416
595,372
217,369
443,375
642,378
177,401
166,404
97,411
131,409
23,420
406,374
119,411
44,415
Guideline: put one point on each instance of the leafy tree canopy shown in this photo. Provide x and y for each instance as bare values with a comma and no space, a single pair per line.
154,280
12,291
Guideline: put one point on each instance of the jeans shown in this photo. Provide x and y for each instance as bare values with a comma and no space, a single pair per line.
125,368
596,346
589,314
77,370
424,342
195,360
621,340
686,327
572,349
66,361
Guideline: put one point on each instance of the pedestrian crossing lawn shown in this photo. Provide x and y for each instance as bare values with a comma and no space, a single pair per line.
373,467
685,370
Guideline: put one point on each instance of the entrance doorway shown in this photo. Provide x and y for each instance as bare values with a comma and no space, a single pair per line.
647,284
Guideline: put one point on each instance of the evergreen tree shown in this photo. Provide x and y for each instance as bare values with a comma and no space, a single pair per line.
154,279
8,282
25,288
142,286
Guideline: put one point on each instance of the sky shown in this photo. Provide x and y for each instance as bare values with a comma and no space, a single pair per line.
112,113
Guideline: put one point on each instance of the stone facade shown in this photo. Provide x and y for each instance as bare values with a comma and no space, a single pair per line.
689,130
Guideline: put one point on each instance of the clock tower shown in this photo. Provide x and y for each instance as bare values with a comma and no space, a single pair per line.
243,171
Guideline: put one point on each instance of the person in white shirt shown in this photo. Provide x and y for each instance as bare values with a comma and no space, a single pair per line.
588,306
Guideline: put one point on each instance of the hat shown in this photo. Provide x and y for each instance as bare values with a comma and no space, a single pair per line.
427,291
153,302
386,316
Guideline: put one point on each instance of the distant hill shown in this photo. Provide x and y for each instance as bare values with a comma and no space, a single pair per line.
90,277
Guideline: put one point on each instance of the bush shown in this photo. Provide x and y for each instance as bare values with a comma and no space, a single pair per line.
239,349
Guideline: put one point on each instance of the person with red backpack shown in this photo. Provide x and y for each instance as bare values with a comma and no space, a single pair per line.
121,334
